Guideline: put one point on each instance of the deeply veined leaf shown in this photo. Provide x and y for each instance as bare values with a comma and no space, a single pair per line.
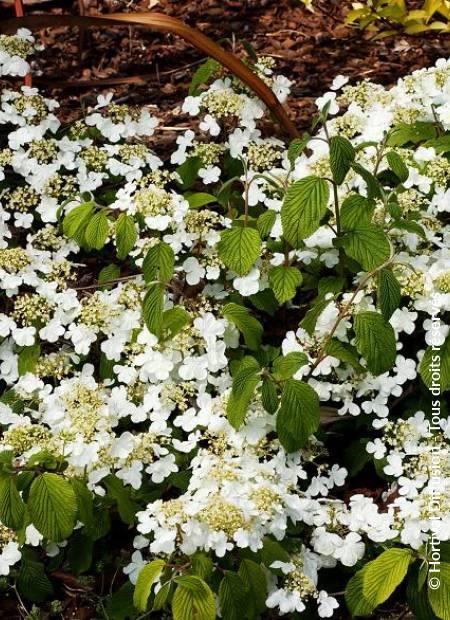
148,575
304,206
159,263
97,231
397,165
356,211
193,600
153,307
284,282
32,582
239,248
266,222
253,577
77,219
384,574
439,598
345,353
342,155
286,366
368,245
175,320
298,416
232,596
12,508
388,293
52,506
269,396
375,341
436,361
249,327
296,148
244,384
126,235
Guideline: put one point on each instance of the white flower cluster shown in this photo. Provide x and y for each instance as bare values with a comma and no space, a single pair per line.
87,383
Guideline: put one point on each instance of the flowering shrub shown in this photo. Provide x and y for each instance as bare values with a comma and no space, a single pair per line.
223,367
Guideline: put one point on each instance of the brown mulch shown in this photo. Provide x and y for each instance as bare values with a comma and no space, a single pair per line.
310,49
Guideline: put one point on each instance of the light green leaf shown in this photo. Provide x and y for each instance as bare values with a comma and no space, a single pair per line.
202,74
28,358
388,293
193,600
159,263
266,222
369,246
374,188
375,341
232,596
77,219
52,506
284,282
108,273
148,576
298,416
440,598
304,206
152,308
126,235
342,155
436,358
345,353
200,199
296,148
97,231
249,327
239,248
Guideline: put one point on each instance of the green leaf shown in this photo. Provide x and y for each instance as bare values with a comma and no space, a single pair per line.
304,206
253,577
266,222
121,494
126,235
374,189
356,211
272,552
244,384
97,231
249,327
397,165
12,508
285,367
147,577
152,308
388,293
32,582
296,148
119,605
265,301
159,263
232,596
203,73
239,248
77,219
412,132
193,600
375,341
200,199
310,319
269,396
85,501
188,171
202,565
368,245
382,576
418,601
79,553
345,353
28,358
342,155
298,416
175,320
436,358
284,282
354,597
108,273
440,597
52,506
